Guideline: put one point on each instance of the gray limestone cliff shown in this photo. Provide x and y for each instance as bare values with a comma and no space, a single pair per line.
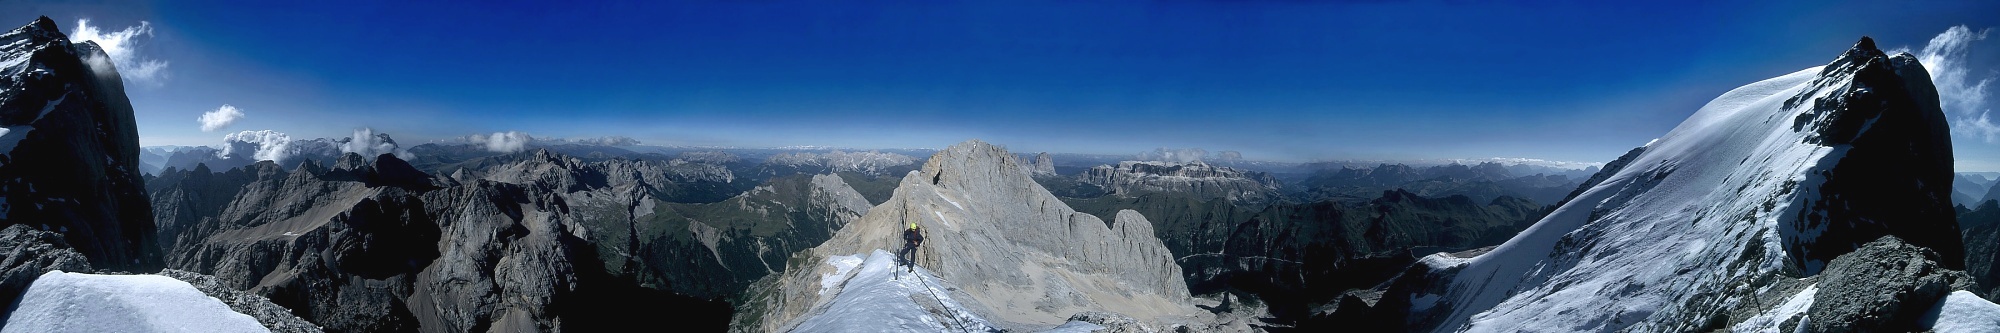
1027,257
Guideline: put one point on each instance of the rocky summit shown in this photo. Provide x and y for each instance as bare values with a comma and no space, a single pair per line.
1022,259
69,148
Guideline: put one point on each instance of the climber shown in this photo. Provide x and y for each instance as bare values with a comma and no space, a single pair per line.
912,237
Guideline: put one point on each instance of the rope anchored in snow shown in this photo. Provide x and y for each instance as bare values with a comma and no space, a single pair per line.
940,300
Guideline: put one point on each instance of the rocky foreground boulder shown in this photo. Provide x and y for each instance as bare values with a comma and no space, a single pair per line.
1885,286
28,253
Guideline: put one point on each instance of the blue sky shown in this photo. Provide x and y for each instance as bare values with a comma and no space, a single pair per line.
1277,80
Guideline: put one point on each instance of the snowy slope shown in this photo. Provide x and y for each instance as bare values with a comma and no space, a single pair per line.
1699,223
75,302
879,296
1963,311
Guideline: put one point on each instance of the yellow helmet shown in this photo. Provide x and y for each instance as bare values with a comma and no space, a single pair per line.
913,226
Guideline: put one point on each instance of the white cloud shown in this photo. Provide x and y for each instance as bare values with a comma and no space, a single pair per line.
262,145
122,46
1962,95
221,117
369,144
1184,155
502,142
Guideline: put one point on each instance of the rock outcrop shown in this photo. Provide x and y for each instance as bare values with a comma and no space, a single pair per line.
1043,166
1884,286
69,148
26,253
273,317
1020,254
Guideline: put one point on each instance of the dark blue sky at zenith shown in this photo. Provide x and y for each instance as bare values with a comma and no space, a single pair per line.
1277,80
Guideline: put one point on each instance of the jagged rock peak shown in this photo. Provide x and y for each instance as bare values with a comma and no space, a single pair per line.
1043,166
349,161
42,25
969,163
543,154
1024,259
69,161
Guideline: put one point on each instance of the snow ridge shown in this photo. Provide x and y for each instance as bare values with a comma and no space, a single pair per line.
881,297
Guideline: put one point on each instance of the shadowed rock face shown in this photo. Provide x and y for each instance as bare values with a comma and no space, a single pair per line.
1896,176
1981,227
71,149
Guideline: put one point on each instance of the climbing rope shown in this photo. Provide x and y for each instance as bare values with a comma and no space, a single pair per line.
940,300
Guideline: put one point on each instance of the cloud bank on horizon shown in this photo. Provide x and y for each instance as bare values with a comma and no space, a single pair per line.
502,142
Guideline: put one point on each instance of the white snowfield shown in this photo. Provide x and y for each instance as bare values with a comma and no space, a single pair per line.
1682,229
1674,209
76,302
882,297
1963,311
